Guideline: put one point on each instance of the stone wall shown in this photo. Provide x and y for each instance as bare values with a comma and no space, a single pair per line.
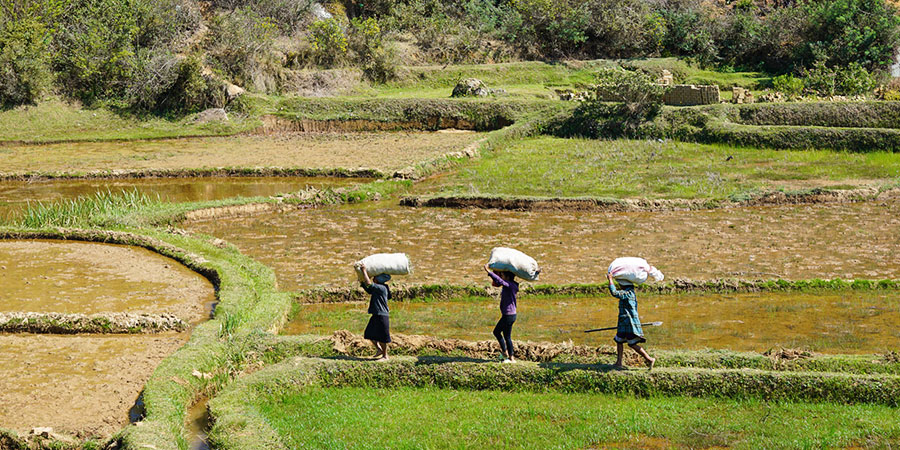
689,95
677,95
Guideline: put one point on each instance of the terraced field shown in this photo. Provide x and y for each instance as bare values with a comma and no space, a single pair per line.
226,316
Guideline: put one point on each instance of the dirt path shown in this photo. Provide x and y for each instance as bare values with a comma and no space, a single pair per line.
79,385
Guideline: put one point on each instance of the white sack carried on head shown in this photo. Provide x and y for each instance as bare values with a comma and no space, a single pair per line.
514,261
379,263
633,270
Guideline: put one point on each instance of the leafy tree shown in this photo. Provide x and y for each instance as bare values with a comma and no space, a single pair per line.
841,32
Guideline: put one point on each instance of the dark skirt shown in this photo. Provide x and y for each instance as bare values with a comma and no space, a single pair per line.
629,338
378,329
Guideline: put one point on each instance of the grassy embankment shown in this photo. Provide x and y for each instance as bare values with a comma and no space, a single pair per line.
274,407
58,121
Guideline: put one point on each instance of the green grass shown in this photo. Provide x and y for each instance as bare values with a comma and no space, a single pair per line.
102,209
555,167
55,120
365,417
533,79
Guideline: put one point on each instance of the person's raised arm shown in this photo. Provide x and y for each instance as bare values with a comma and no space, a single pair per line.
497,279
366,279
612,288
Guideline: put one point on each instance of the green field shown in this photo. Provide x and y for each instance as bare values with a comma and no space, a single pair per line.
367,417
555,167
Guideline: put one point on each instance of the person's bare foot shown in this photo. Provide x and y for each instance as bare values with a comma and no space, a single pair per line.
381,358
619,367
650,363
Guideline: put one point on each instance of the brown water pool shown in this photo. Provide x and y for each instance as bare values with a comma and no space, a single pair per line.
828,322
316,247
90,278
15,195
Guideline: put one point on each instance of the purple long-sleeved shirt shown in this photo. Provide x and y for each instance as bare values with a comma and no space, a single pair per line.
507,294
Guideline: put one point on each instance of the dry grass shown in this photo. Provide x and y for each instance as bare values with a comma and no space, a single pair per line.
383,151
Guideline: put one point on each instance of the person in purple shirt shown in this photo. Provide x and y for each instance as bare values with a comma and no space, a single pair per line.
503,330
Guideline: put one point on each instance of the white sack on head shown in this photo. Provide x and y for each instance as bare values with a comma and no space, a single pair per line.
634,270
511,260
379,263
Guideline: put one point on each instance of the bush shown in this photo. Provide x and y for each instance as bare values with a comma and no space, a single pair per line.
841,32
329,44
639,97
826,81
288,15
242,46
369,53
788,85
94,48
24,62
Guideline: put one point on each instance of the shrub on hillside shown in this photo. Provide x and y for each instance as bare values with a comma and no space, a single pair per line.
369,52
288,15
841,32
241,44
826,81
169,85
788,85
328,41
24,62
639,100
94,48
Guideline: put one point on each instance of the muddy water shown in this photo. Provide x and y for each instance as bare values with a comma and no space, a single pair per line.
89,278
76,384
197,424
829,322
15,195
315,247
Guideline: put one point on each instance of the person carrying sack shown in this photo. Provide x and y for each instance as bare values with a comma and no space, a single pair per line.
379,328
508,293
628,328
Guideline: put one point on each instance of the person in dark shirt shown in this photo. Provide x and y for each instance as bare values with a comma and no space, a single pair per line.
379,328
503,330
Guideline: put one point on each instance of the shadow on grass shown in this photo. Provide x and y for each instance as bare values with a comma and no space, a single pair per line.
554,366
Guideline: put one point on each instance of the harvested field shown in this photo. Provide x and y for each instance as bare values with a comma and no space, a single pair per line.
316,247
87,278
387,152
79,385
827,322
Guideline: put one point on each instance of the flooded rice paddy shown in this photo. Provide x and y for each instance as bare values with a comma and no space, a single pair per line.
81,277
313,248
828,322
84,385
15,195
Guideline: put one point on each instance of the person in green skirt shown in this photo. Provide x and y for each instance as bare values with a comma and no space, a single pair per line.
628,328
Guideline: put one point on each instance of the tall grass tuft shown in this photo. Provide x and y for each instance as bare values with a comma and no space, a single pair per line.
105,208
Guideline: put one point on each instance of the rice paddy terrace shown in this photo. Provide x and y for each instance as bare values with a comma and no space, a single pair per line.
191,315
